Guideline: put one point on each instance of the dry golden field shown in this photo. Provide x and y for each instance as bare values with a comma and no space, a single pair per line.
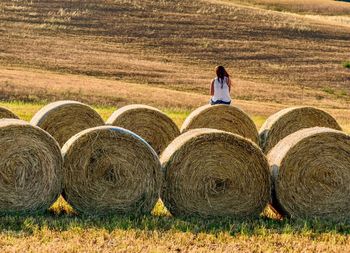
163,53
175,44
321,7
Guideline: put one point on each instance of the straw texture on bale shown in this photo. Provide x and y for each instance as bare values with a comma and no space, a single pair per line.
151,124
222,117
209,172
7,114
290,120
110,170
311,174
30,168
63,119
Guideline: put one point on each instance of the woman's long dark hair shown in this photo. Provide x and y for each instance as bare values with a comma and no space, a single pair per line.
221,73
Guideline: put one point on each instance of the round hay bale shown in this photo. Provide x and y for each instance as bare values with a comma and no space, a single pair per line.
110,170
151,124
311,174
63,119
30,168
222,117
290,120
210,172
7,114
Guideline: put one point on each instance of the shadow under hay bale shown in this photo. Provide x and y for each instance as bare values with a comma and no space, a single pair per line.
213,173
7,114
63,119
151,124
290,120
30,168
110,170
222,117
311,174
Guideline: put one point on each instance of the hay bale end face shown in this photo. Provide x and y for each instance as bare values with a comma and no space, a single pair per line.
110,170
212,173
311,174
290,120
63,119
151,124
7,114
30,168
222,117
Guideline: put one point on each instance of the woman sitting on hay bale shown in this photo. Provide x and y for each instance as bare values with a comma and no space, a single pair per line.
220,87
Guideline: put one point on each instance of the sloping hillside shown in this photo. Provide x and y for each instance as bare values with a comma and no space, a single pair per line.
319,7
175,44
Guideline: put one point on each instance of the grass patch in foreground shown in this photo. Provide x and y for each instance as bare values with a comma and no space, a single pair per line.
61,230
32,224
61,217
65,232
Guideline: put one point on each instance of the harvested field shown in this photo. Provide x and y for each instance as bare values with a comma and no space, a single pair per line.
155,43
320,7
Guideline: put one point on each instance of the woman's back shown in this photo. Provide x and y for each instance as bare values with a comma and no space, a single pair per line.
221,90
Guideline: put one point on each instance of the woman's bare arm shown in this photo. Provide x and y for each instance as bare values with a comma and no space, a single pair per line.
212,88
229,84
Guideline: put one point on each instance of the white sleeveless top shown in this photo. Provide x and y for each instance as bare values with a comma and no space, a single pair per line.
223,93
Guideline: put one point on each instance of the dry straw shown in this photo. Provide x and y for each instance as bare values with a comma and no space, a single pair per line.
290,120
63,119
311,174
30,168
6,113
214,173
151,124
110,170
222,117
